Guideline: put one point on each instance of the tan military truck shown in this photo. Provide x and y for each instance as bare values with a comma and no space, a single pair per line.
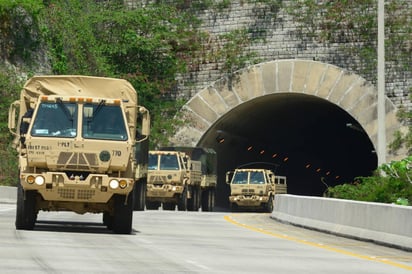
182,176
254,188
82,144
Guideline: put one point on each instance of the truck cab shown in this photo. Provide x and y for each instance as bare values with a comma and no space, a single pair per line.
254,188
79,149
171,175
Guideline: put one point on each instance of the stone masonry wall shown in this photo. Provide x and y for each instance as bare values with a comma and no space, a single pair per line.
280,42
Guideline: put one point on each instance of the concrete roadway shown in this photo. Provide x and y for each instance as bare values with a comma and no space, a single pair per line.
186,242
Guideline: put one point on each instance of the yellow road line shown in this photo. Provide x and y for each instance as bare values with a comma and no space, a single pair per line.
323,246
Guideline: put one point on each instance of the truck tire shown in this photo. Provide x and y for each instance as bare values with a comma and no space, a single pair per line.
234,207
182,204
26,213
193,204
140,195
169,206
208,200
108,220
269,205
152,205
123,214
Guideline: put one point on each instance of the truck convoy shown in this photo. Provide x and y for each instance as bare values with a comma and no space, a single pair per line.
254,188
82,144
182,176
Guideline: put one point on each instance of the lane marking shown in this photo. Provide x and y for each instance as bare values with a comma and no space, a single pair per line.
323,246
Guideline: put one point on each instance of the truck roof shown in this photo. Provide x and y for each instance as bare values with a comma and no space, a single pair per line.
79,85
252,169
207,156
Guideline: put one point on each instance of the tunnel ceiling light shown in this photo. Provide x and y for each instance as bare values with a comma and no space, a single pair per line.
220,139
274,155
285,159
307,166
337,177
318,170
327,173
262,151
250,148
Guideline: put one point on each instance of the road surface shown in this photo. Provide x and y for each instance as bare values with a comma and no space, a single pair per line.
186,242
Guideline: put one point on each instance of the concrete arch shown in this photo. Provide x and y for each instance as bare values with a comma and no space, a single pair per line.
346,90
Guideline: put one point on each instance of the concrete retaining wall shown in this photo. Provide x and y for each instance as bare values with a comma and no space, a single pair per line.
381,223
8,194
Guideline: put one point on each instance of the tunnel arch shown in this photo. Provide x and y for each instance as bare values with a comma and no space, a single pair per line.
292,103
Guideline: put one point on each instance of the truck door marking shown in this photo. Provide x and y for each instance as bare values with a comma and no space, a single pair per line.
117,153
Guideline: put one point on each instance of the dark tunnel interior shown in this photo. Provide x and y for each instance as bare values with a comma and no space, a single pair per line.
313,142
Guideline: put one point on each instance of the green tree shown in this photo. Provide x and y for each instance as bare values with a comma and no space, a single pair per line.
9,84
353,25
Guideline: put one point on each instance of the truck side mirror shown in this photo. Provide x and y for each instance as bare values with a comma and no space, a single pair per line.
228,177
145,120
12,123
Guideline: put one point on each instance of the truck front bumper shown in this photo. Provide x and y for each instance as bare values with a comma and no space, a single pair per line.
57,186
163,191
248,201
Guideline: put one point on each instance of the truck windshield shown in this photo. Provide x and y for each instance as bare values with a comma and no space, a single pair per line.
169,162
55,120
103,122
153,158
257,177
240,177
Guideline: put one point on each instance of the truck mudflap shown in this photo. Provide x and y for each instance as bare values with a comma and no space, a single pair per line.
57,186
248,201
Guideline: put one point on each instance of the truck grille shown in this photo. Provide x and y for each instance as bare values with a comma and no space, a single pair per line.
247,191
157,179
75,160
80,194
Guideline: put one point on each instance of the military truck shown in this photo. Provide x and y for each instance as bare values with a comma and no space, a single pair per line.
254,188
82,143
182,176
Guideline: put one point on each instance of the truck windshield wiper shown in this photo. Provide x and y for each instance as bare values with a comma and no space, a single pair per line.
98,108
65,109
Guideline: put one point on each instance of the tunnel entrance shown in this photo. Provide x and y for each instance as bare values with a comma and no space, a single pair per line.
312,141
313,122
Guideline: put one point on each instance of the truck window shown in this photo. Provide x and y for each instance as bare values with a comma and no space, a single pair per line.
256,177
55,120
103,122
169,162
153,158
240,177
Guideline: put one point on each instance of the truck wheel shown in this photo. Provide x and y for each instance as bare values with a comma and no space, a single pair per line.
168,206
198,198
152,205
123,214
182,204
208,200
269,205
108,220
26,213
193,203
140,195
234,207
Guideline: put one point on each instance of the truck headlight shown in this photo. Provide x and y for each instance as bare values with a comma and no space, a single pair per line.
123,184
114,184
39,180
30,179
